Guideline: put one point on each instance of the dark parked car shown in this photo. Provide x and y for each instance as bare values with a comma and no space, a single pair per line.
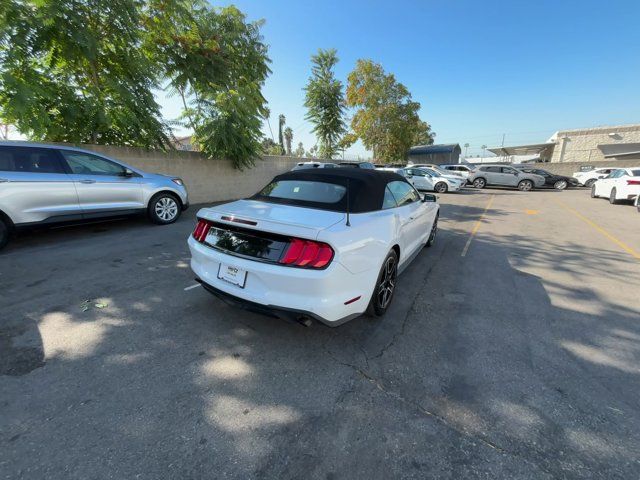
551,180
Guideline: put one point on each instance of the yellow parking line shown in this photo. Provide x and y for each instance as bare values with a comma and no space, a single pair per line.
597,227
476,227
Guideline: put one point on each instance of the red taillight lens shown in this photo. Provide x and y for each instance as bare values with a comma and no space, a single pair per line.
201,230
307,253
633,182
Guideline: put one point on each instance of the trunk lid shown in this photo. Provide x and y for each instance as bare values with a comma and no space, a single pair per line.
275,218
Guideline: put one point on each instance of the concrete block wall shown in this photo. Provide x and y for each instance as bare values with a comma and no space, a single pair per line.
208,180
568,168
582,145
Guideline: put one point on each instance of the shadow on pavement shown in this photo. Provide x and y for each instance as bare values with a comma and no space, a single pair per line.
473,372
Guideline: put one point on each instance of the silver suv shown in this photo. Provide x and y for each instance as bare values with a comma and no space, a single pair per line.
45,184
505,176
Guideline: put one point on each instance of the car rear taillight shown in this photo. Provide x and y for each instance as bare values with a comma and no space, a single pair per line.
633,182
201,230
307,253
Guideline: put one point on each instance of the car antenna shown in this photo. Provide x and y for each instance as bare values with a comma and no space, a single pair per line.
348,202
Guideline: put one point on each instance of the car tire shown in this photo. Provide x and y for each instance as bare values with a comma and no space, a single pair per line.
441,187
589,183
4,233
593,191
164,208
612,197
560,185
434,232
525,185
638,203
479,183
380,300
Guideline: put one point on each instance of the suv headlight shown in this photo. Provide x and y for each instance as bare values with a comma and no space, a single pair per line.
178,181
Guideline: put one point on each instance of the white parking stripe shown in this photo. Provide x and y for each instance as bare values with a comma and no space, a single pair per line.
192,287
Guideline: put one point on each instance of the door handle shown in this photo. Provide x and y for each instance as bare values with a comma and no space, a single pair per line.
86,180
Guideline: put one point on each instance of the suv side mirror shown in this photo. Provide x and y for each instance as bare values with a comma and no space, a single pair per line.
127,172
429,197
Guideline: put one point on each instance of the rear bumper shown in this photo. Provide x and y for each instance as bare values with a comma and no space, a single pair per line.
281,291
271,310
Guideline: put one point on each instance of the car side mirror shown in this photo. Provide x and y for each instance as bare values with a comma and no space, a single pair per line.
409,175
127,172
429,197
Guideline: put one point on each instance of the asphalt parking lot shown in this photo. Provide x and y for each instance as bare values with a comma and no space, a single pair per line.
512,350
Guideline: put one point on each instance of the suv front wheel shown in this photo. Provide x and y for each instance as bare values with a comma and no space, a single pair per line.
164,208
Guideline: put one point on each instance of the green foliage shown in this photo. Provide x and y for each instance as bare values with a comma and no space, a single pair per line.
423,134
386,118
281,121
300,150
217,63
74,71
288,138
324,100
269,147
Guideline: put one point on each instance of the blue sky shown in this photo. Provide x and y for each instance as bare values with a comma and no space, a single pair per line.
478,68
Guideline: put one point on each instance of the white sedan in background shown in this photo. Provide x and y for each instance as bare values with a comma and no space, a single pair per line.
622,184
430,179
326,244
589,177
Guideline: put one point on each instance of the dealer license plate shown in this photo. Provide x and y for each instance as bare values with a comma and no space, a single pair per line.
232,274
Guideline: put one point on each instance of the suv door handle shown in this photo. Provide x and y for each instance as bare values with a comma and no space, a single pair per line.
86,180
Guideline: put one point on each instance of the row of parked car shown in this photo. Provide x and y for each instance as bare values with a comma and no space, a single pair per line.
451,178
617,184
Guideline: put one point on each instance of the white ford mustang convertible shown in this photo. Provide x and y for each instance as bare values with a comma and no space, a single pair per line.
323,244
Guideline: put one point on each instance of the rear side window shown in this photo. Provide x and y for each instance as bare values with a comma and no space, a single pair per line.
389,200
86,164
304,191
635,173
403,193
29,160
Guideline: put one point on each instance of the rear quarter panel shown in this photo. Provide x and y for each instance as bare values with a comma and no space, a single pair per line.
364,245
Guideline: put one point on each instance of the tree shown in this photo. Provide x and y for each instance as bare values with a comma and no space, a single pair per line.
386,118
74,71
217,63
324,100
281,122
466,146
423,134
288,138
300,150
269,147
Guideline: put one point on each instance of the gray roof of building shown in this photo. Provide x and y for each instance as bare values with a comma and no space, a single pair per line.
426,149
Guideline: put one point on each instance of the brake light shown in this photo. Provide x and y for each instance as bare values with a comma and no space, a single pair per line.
307,253
201,230
633,182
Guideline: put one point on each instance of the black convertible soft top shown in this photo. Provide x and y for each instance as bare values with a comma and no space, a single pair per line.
365,188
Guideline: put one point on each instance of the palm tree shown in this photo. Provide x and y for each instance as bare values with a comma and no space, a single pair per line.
288,138
281,122
483,147
466,147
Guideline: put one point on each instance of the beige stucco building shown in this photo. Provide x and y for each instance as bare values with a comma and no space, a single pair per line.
597,144
584,145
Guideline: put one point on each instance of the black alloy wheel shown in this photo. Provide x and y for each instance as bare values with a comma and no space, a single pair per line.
385,286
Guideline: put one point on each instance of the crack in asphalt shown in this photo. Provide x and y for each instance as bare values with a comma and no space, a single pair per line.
437,417
411,308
